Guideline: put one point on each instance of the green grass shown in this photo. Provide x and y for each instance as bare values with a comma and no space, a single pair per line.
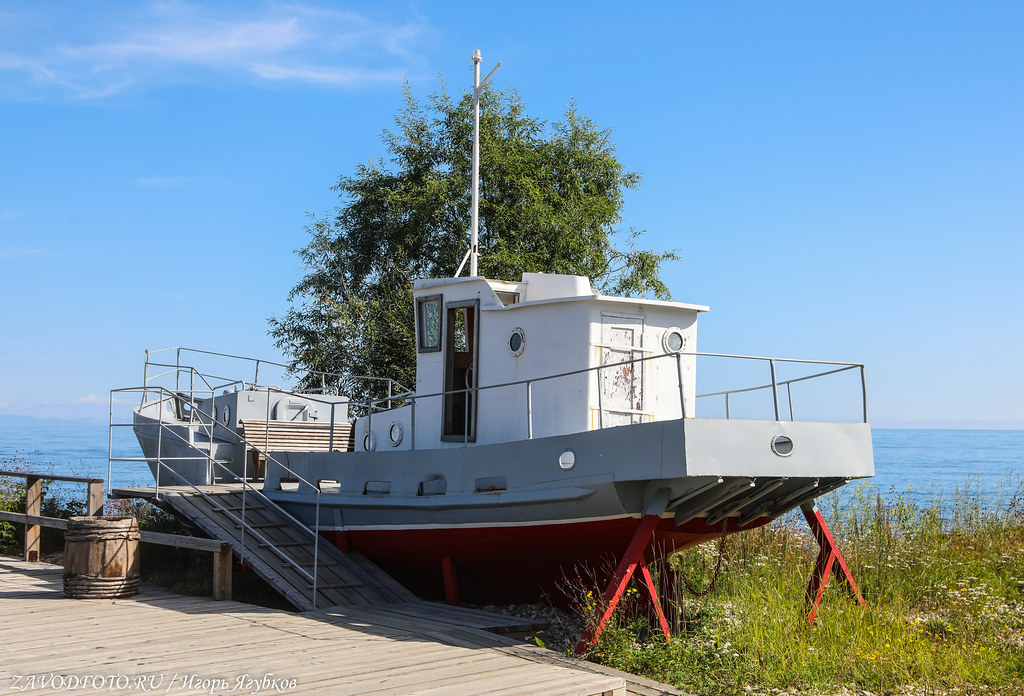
944,584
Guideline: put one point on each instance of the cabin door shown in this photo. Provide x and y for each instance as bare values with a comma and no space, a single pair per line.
460,371
622,382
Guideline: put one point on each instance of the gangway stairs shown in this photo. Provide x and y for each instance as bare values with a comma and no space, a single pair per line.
279,549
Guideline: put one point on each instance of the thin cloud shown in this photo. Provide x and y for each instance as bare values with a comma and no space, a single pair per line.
131,49
20,253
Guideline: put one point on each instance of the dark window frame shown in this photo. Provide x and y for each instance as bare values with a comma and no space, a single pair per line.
421,333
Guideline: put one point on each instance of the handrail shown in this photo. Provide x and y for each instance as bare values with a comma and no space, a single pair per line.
246,486
785,382
376,405
290,368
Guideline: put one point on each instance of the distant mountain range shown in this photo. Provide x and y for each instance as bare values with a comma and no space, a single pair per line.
12,421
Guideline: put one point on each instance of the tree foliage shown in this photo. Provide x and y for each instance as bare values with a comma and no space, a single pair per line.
550,199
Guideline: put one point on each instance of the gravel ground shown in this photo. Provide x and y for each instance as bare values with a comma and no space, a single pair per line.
564,628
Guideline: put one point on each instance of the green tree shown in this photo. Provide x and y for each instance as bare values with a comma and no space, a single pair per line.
550,200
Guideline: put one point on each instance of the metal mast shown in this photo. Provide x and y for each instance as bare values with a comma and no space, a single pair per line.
478,86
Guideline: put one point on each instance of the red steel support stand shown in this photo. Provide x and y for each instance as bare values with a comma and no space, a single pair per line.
828,556
451,581
633,557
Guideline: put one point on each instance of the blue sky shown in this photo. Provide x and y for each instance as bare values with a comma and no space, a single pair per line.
844,181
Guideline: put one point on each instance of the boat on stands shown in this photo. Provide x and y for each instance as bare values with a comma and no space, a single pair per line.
546,420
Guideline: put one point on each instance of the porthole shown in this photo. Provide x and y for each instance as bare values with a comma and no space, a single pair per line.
673,340
567,459
395,434
369,442
225,415
782,445
517,342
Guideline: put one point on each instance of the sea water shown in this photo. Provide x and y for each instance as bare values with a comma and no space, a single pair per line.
919,465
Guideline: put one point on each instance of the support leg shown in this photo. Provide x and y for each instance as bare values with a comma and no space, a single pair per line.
633,557
451,581
829,556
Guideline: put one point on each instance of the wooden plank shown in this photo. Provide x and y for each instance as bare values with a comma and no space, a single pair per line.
51,477
22,518
183,542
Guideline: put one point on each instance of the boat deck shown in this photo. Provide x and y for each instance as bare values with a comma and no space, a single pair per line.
193,645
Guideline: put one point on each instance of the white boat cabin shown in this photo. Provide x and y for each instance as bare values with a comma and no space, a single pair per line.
509,347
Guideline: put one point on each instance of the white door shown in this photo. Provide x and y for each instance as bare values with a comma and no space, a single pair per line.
621,384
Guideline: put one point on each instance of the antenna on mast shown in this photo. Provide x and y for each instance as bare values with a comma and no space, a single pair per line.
478,87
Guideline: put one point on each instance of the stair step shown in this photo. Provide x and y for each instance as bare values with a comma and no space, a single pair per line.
237,508
264,525
339,586
284,543
309,564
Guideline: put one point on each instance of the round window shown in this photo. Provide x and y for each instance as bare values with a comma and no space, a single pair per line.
782,445
517,342
369,442
567,459
225,415
673,341
395,434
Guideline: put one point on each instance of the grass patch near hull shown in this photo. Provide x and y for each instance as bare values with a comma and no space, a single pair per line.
944,584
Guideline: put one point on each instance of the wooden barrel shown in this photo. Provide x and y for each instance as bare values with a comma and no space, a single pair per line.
101,557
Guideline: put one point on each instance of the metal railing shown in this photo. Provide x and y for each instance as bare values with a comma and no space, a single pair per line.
395,389
161,464
774,384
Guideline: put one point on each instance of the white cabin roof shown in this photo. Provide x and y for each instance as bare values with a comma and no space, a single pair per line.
546,288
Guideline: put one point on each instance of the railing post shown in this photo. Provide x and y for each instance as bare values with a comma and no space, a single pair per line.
789,396
110,438
864,392
222,572
256,377
727,406
775,390
316,546
368,438
33,506
412,422
330,442
600,406
529,409
94,499
679,372
159,442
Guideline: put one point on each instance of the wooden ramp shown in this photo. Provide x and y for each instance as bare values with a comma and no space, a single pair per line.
190,645
278,549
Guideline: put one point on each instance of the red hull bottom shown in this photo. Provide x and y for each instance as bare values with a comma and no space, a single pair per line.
515,564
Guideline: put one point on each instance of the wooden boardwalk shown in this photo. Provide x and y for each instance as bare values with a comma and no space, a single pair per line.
166,643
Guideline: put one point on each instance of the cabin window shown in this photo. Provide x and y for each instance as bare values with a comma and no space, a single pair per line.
507,298
673,340
428,321
517,342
